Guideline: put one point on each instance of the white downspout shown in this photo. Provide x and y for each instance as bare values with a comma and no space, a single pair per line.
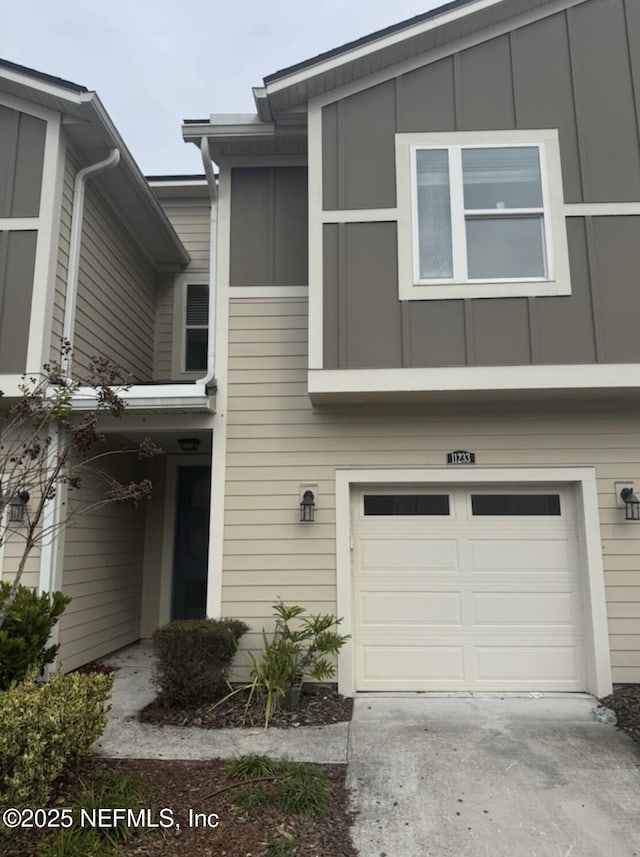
51,550
77,215
213,255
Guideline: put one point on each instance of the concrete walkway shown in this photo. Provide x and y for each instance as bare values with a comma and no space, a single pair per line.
126,738
437,776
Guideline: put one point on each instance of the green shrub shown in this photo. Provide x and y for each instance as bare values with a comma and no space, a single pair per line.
25,632
194,656
45,729
300,646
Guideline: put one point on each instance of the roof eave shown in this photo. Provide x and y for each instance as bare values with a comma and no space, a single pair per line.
76,102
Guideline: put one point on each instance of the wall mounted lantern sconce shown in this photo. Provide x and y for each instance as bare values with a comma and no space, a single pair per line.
307,507
631,505
189,444
18,506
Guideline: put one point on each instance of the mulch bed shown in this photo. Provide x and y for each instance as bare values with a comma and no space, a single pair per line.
319,706
625,701
184,786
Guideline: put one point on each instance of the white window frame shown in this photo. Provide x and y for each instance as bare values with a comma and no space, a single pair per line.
411,287
182,282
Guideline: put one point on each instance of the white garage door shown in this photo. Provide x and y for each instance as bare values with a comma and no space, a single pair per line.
467,589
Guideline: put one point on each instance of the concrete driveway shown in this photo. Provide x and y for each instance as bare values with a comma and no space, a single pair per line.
492,777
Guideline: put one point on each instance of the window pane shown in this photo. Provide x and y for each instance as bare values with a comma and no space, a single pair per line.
196,351
434,214
505,247
515,504
506,177
406,504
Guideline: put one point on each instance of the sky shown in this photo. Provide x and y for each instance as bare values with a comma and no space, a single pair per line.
154,63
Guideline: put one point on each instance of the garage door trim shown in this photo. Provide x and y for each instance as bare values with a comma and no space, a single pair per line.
598,661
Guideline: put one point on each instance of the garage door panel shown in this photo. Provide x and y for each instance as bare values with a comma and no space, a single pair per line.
413,608
520,555
524,609
468,602
528,666
436,555
398,666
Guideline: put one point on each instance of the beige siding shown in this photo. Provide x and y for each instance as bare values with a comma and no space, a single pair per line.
62,265
190,219
102,572
116,287
116,294
11,554
278,442
163,347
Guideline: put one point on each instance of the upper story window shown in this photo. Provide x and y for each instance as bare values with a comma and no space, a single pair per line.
480,215
196,339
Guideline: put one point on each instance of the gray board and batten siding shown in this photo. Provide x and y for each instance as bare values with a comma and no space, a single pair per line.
22,141
577,71
269,240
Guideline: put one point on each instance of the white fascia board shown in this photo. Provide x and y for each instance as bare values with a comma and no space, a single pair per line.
357,53
24,78
228,126
474,378
141,397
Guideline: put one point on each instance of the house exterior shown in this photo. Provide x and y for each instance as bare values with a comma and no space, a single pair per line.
88,253
463,193
410,291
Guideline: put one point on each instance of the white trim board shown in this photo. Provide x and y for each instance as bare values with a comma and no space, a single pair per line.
268,292
219,449
549,377
584,480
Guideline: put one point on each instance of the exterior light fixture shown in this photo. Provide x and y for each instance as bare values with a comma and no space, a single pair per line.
307,507
189,444
631,505
18,506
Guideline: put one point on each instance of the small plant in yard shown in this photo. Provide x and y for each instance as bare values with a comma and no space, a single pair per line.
290,787
282,848
300,647
250,766
193,659
24,635
110,789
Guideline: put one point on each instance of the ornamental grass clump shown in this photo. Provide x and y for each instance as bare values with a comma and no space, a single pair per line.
193,659
46,728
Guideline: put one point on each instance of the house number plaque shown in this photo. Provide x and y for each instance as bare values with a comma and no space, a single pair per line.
461,456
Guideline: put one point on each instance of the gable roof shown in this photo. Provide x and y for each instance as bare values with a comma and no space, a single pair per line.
89,128
280,123
438,28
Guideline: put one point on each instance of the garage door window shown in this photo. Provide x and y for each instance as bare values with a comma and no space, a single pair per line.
515,504
406,504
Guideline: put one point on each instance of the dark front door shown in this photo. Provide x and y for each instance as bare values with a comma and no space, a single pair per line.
192,543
